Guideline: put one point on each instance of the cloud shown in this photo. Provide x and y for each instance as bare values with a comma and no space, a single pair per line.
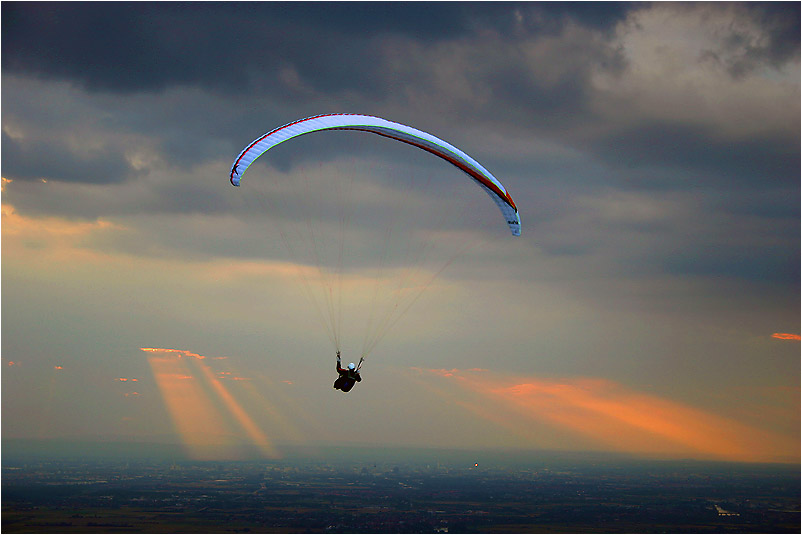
786,336
144,47
679,54
677,104
178,353
624,72
49,229
53,240
488,72
59,162
498,79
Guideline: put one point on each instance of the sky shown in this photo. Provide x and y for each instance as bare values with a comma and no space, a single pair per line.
651,306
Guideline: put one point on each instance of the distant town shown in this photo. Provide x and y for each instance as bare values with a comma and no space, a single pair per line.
414,495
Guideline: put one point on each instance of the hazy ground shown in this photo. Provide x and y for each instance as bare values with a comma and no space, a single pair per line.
390,491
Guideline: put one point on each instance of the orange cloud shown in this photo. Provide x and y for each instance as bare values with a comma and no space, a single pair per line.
52,228
58,367
607,415
787,336
42,244
177,352
442,372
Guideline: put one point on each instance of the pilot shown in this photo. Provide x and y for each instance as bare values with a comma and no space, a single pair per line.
348,376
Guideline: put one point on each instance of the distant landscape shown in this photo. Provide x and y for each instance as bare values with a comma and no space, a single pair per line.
140,489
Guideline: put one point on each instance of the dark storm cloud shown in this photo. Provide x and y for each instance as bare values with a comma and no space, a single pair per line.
313,57
199,81
147,47
302,52
236,47
781,21
337,53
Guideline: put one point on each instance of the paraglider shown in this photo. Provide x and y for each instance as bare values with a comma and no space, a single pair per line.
331,275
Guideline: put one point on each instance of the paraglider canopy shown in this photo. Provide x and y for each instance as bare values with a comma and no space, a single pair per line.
383,127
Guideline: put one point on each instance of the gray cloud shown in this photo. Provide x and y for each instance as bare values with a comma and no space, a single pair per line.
53,161
517,69
232,47
780,44
557,100
697,158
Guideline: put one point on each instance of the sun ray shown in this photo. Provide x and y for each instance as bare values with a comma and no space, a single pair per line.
198,422
235,409
614,417
188,380
277,418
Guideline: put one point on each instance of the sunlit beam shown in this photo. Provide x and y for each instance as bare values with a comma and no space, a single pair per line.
203,405
257,436
481,407
198,422
46,422
271,411
611,416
